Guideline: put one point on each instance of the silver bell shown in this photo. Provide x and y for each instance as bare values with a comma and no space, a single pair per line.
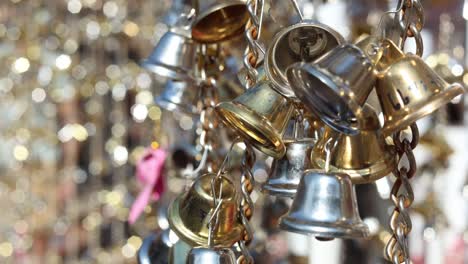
178,96
155,248
286,172
325,206
211,256
173,57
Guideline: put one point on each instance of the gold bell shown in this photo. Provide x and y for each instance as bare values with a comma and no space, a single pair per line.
365,157
218,20
190,213
336,85
260,116
408,89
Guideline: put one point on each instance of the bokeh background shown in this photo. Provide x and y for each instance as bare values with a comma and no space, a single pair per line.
77,111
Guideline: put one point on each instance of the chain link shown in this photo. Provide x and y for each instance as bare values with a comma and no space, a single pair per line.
252,34
402,197
246,203
411,20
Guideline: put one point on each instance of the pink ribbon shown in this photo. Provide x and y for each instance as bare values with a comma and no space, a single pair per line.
149,172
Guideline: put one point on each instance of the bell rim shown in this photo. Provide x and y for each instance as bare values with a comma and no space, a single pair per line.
376,171
323,76
166,71
280,82
318,229
239,112
422,109
178,226
281,191
174,107
223,36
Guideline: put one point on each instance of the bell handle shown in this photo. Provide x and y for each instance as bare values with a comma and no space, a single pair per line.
390,54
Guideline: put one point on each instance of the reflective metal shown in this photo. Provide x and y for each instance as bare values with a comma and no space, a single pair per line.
325,206
173,57
211,256
190,213
218,20
408,89
155,248
285,173
365,157
336,85
179,96
301,42
260,116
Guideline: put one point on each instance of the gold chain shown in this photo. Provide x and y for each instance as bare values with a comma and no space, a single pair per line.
252,34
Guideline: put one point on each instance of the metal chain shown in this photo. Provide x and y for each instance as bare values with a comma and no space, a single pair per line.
252,34
246,203
402,197
411,20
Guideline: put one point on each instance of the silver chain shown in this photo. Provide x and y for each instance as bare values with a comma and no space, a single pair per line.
252,34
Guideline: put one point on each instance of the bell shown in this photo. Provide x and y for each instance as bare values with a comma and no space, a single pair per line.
287,171
365,157
173,57
200,255
302,42
325,206
218,20
178,96
336,85
155,248
189,214
260,115
408,89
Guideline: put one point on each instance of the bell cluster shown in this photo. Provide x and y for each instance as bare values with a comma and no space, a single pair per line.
324,109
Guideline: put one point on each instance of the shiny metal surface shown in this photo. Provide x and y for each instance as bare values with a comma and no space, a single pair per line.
301,42
218,20
365,157
325,206
178,96
190,213
336,85
285,173
173,57
260,116
211,256
155,248
408,89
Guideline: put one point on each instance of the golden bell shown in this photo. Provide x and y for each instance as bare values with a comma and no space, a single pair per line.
336,85
286,172
260,116
408,89
190,213
218,20
173,57
365,157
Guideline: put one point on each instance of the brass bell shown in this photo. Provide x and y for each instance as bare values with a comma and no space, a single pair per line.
218,20
178,96
365,157
408,89
155,248
200,255
173,57
325,206
336,85
260,116
287,171
190,213
302,42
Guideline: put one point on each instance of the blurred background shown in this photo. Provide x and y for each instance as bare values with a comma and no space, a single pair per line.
77,111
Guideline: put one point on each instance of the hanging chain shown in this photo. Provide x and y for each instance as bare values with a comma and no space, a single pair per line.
411,20
246,203
402,197
252,34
